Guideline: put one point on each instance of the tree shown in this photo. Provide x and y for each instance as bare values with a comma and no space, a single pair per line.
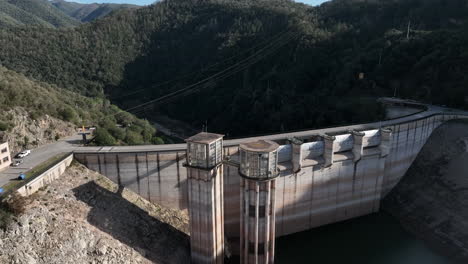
133,138
68,114
104,138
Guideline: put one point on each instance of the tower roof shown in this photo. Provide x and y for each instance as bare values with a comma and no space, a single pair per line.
204,137
260,146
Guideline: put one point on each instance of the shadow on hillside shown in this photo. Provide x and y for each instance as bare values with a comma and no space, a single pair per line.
155,240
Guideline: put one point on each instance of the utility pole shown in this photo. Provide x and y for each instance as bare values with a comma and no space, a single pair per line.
380,57
408,31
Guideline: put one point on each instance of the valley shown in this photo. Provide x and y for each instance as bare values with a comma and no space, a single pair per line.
344,95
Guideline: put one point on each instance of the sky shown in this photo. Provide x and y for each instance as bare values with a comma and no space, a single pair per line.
147,2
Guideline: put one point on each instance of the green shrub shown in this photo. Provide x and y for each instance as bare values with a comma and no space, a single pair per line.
16,204
104,138
133,138
157,141
10,207
35,115
3,126
117,132
125,118
68,114
5,217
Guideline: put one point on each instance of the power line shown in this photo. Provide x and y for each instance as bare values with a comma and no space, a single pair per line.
239,66
277,36
218,76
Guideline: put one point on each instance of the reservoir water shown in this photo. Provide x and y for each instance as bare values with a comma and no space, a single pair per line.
372,239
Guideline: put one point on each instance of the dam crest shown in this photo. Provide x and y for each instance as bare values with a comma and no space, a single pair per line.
307,179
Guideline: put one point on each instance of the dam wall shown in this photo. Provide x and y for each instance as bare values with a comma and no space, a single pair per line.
159,177
342,174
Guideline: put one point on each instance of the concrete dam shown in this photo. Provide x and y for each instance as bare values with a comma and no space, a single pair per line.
245,192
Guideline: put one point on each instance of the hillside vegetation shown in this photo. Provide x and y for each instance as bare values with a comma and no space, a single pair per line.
260,66
88,12
39,99
33,12
52,14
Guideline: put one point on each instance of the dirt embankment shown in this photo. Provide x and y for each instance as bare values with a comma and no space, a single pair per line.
84,218
431,200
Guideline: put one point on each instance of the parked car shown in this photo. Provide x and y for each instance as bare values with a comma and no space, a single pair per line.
23,153
16,163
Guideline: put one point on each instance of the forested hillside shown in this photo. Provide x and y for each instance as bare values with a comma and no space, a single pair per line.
88,12
258,66
52,14
39,99
33,12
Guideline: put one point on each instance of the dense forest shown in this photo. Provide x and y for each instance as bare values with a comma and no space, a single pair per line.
251,67
52,14
88,12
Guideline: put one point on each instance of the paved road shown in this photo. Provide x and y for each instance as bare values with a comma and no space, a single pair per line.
40,155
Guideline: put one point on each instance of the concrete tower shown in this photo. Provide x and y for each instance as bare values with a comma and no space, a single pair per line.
205,196
258,169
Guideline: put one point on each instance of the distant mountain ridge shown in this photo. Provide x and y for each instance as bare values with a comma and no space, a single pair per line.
52,14
33,12
88,12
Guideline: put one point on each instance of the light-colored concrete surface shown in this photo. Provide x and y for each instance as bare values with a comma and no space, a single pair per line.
430,201
317,195
47,177
38,156
5,157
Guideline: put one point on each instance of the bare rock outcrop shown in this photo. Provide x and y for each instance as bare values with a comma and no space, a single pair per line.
27,131
84,218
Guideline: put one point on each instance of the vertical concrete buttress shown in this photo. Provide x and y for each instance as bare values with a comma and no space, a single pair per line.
257,221
358,144
296,157
328,152
205,189
386,142
205,198
258,169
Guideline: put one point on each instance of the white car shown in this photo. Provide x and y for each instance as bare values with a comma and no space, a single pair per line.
24,153
16,163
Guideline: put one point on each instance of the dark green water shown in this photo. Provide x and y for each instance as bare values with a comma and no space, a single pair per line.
376,238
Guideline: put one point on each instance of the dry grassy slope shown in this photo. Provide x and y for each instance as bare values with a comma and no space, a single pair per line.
84,218
431,199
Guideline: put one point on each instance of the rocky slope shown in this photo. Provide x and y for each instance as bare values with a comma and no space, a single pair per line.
27,132
84,218
431,199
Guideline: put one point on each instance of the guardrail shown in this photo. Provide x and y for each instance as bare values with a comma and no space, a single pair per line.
41,177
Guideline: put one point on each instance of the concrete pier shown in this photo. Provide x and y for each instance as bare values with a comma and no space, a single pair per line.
205,198
205,192
257,221
258,169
